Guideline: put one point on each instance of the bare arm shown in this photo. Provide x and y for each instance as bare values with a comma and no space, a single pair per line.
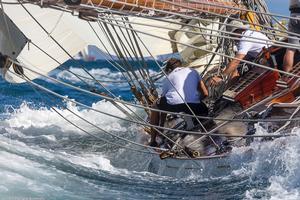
232,66
202,88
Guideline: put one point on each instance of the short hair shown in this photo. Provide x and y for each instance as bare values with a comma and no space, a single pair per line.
170,64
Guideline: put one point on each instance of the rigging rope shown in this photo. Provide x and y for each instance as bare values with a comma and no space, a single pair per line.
153,109
120,108
196,18
111,134
209,51
105,24
125,112
159,127
84,68
102,130
275,43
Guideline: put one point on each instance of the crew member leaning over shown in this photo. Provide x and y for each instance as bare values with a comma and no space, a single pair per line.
182,85
249,44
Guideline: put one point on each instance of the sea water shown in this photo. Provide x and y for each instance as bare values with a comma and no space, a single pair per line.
42,156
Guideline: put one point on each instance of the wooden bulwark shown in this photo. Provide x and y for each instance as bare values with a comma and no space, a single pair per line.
259,83
252,88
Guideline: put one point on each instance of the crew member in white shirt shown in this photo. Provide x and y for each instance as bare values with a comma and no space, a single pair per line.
250,44
182,86
294,26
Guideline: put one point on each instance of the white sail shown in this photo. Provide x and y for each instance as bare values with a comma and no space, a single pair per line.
199,38
56,24
66,35
156,46
71,33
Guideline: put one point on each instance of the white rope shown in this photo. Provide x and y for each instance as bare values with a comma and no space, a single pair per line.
153,109
209,51
257,40
147,124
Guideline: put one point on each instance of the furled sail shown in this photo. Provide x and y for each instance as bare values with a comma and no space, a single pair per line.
178,6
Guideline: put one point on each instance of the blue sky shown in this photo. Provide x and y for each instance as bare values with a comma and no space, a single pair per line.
279,6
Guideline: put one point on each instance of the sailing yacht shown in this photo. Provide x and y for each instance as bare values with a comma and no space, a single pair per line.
37,36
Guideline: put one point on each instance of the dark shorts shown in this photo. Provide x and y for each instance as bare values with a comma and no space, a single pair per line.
199,109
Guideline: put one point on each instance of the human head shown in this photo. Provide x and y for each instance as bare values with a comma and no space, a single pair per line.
237,27
172,63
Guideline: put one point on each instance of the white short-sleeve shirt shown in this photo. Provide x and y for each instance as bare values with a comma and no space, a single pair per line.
253,43
185,82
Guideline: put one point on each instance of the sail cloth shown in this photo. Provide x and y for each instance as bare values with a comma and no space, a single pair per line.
67,35
12,39
71,33
56,24
200,38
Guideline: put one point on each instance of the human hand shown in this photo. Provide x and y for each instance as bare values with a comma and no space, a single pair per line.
216,80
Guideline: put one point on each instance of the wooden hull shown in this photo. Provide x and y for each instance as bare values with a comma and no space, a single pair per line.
224,164
205,167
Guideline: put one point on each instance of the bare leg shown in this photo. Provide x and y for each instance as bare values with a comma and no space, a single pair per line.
288,60
154,120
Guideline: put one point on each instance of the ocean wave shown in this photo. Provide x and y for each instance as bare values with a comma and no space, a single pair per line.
277,163
29,171
42,117
271,173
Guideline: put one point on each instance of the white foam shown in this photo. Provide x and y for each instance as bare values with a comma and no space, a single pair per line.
49,137
93,161
279,162
18,173
26,117
22,165
33,171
